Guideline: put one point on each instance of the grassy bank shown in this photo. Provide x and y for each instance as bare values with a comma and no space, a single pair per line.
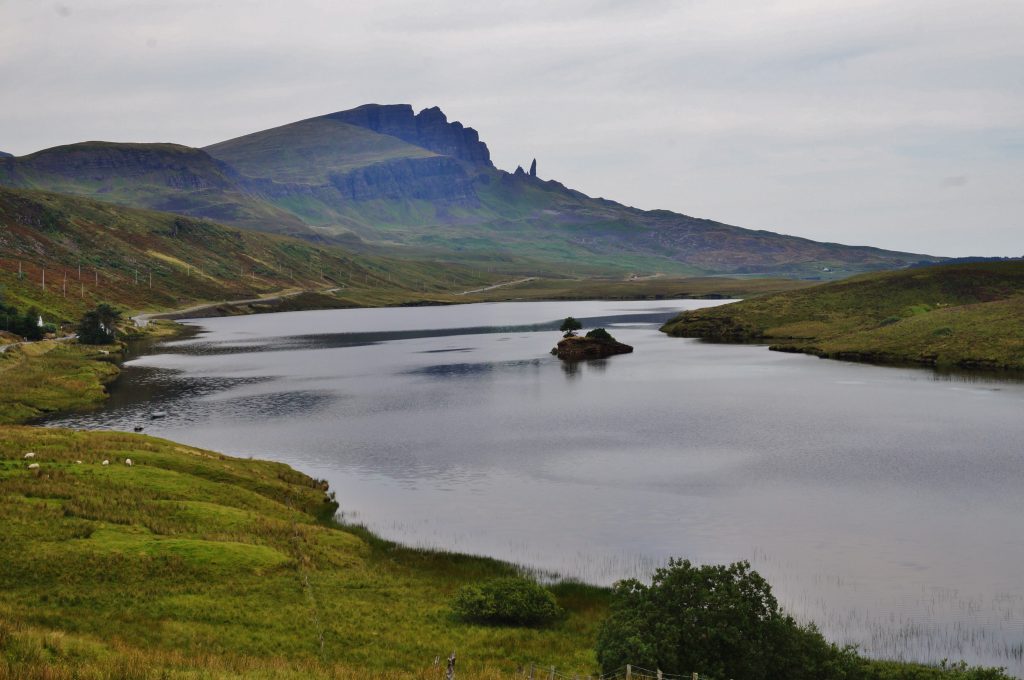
49,376
192,564
196,564
964,316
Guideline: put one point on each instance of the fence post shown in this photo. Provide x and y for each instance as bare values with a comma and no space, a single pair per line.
531,671
450,673
659,674
629,672
695,676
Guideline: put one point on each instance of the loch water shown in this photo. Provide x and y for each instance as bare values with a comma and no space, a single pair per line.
886,504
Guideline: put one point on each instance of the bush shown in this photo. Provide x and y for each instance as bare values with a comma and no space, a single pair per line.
724,622
719,621
600,334
507,601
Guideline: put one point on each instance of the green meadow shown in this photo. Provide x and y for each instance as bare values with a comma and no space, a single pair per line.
193,564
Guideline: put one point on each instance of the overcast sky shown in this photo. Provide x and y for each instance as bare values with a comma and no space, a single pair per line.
896,124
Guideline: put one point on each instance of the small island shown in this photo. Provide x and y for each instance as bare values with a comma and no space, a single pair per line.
596,344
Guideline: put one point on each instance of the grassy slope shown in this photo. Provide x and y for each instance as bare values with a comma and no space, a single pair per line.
653,288
167,177
195,560
309,151
49,376
966,315
190,260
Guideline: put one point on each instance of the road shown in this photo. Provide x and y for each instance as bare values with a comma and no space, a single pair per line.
498,285
142,320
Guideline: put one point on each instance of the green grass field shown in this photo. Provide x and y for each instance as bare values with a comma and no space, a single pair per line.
964,315
194,564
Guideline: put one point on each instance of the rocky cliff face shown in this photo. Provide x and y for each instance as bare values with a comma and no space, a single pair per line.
429,129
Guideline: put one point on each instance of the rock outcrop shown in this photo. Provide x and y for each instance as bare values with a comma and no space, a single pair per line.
4,154
533,168
576,348
429,129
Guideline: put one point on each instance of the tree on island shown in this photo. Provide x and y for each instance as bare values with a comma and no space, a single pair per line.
570,326
99,326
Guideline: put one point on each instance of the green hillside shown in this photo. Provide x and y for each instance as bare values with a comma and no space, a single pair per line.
90,252
193,564
963,315
383,179
166,177
310,151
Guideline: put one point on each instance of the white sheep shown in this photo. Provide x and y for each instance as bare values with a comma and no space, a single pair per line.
33,466
128,462
30,454
78,462
106,462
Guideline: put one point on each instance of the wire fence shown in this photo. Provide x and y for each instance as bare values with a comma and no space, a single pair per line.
445,668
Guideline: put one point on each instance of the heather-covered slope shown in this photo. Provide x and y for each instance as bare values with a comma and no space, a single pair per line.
90,251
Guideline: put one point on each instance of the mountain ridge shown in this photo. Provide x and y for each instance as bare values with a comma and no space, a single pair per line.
384,178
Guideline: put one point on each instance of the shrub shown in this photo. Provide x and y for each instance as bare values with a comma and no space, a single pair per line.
600,334
507,601
720,621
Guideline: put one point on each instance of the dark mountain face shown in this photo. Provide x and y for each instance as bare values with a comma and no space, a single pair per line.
4,154
104,163
429,129
426,185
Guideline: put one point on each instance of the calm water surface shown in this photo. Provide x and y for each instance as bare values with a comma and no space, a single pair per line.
885,504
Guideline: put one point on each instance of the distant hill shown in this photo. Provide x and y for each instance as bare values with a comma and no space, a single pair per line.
166,177
90,251
384,178
4,154
964,315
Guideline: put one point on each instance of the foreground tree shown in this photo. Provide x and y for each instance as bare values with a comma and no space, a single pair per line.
99,326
